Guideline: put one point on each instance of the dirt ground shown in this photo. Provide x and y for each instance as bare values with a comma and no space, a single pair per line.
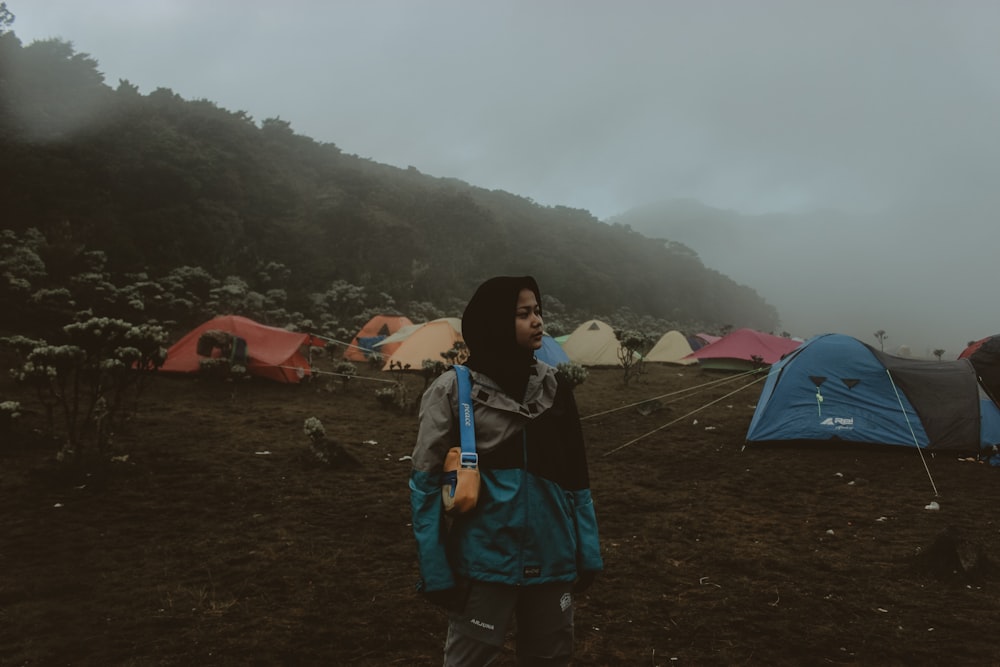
223,540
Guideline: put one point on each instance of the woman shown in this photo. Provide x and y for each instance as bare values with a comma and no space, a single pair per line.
531,541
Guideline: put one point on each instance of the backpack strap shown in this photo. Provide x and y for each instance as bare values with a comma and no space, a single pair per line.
466,423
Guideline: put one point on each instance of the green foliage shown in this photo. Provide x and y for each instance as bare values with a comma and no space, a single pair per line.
375,360
431,368
346,371
398,394
94,379
6,18
458,354
881,336
575,374
179,193
323,450
632,346
314,429
10,412
222,369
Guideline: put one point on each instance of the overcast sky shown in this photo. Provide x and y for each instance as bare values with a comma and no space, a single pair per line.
885,109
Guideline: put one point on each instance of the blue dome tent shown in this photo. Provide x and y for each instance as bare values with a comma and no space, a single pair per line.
837,388
551,352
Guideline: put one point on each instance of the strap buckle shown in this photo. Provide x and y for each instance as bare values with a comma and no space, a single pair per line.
470,460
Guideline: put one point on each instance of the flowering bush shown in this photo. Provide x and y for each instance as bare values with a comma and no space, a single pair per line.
323,450
346,370
572,373
385,395
222,369
313,428
9,412
103,362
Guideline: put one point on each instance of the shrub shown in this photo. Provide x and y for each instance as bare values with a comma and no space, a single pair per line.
313,428
10,411
458,354
105,363
397,395
323,450
347,371
386,396
633,345
431,369
572,373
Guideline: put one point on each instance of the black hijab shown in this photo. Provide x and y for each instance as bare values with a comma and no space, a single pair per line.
488,330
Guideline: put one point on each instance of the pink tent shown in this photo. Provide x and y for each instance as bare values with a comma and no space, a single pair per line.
737,351
706,338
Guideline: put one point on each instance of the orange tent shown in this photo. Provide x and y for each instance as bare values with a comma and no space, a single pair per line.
272,353
426,341
376,330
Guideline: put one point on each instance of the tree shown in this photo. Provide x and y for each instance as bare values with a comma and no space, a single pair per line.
881,336
158,182
633,344
6,18
938,352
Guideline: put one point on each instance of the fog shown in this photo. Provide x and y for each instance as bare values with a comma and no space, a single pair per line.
870,125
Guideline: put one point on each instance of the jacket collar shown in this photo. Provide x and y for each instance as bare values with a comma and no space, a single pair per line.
538,397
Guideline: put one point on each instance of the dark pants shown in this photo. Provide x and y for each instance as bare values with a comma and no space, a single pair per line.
543,618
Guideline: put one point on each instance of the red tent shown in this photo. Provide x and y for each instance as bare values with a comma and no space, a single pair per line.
984,355
737,351
270,352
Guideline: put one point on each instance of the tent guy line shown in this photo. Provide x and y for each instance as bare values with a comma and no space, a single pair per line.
673,393
346,375
696,410
870,397
913,434
345,344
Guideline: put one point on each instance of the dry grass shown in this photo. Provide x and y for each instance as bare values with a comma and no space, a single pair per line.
201,548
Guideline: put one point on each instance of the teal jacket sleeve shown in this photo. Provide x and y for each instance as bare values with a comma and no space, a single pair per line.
430,532
588,551
437,429
588,545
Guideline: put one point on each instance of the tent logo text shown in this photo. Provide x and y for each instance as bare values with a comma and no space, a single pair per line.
839,423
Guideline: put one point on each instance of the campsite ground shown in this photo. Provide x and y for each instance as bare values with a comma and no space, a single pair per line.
221,540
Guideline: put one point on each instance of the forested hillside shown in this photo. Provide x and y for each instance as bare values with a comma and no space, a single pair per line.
131,189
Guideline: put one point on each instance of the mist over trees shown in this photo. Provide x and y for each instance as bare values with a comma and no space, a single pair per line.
170,189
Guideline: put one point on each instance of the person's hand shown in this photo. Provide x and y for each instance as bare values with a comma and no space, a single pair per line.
584,580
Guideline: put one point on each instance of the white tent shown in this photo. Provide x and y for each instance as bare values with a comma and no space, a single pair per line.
672,348
593,343
401,334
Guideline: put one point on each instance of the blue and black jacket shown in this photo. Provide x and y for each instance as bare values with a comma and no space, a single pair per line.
535,521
